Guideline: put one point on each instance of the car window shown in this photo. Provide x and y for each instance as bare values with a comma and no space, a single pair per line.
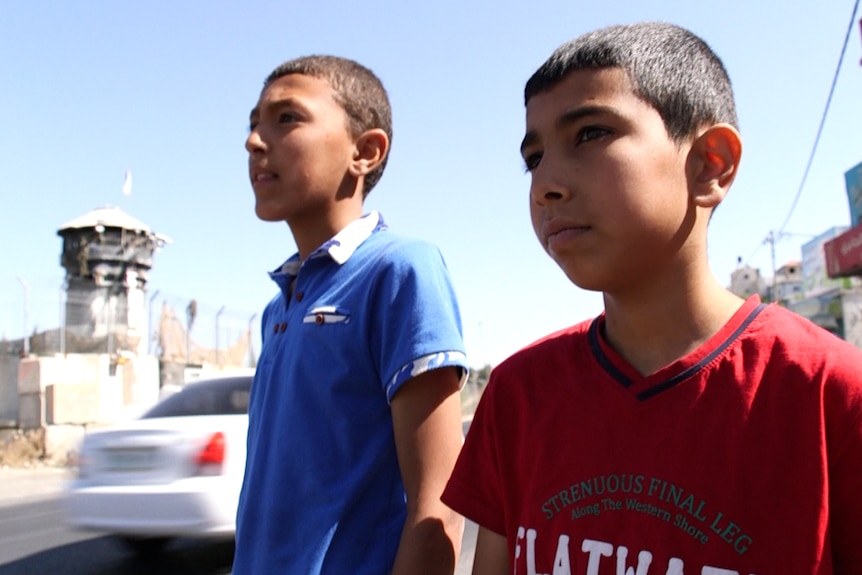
212,397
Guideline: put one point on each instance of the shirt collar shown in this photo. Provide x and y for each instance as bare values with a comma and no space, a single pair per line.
342,245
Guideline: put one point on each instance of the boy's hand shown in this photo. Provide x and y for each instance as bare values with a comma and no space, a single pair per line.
426,416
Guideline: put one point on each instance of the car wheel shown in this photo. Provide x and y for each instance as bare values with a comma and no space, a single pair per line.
145,545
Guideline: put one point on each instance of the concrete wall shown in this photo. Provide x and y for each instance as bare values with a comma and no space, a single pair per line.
82,389
8,391
63,395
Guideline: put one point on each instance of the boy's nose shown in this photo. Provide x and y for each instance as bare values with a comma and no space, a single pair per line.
254,144
546,189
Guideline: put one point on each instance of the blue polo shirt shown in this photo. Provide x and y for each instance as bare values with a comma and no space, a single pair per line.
323,491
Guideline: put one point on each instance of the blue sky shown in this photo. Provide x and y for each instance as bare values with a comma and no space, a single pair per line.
164,89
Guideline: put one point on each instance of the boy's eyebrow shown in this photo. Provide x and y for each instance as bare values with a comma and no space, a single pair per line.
567,118
276,103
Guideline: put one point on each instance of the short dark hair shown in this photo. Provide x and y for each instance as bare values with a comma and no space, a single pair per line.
356,89
671,69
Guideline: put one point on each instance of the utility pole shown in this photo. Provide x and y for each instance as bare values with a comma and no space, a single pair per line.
26,287
770,239
220,311
151,334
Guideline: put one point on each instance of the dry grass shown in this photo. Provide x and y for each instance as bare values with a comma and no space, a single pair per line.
23,448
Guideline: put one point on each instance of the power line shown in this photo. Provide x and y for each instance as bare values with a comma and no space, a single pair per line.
774,235
822,119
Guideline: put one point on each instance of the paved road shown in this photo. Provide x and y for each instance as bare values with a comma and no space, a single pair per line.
34,539
22,485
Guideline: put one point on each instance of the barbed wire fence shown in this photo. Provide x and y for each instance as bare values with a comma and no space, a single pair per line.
202,331
37,317
27,305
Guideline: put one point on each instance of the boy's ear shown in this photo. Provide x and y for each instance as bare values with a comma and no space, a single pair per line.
371,149
713,163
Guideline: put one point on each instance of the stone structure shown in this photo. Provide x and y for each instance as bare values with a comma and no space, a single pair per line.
107,255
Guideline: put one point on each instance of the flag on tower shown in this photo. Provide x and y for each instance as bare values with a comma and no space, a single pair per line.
127,185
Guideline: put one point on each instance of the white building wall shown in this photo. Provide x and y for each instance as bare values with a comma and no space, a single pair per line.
851,304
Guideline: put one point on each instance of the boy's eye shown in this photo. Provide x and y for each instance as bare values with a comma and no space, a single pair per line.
588,133
286,117
531,161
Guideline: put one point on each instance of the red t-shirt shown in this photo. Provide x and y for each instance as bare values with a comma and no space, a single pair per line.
743,457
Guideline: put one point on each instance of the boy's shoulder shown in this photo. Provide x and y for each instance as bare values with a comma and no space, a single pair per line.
542,351
385,247
793,348
387,235
781,328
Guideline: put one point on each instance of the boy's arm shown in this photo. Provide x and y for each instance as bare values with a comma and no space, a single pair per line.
492,554
426,416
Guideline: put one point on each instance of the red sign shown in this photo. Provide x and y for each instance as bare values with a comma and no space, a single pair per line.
844,254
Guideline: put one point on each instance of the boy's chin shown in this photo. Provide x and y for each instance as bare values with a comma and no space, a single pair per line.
581,279
268,215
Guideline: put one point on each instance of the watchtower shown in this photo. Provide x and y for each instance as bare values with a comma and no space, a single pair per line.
107,255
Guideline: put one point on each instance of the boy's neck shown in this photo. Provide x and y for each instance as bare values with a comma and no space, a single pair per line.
661,324
314,230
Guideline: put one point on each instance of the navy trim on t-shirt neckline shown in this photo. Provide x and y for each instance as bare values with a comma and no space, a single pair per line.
626,382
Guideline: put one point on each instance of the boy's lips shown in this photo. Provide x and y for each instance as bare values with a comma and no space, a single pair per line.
260,175
555,231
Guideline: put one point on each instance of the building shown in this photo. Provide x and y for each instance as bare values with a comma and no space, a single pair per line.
843,263
788,284
107,255
746,281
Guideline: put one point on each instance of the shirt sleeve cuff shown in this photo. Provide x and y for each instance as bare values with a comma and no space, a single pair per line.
427,363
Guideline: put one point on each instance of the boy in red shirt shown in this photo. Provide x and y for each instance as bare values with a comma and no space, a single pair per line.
684,430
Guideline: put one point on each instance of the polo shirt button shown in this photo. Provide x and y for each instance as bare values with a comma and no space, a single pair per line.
283,327
299,296
275,328
318,319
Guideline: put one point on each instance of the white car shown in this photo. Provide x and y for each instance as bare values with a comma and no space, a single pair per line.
174,472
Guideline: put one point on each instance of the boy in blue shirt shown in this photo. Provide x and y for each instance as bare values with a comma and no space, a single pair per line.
354,417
